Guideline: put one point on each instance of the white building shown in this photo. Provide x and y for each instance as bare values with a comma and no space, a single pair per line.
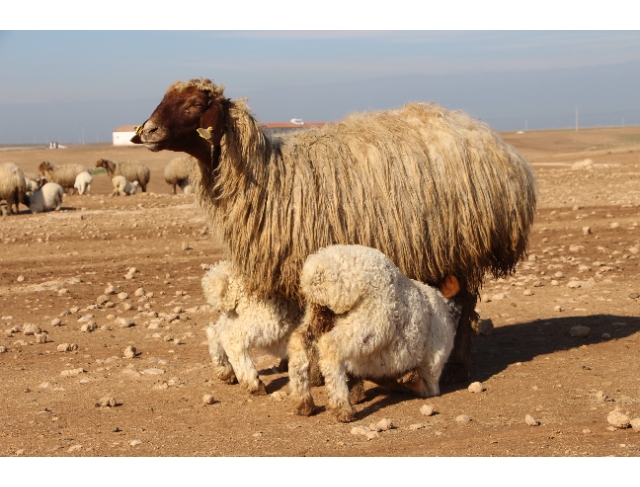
122,135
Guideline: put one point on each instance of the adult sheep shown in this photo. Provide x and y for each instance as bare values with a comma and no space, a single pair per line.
131,170
12,186
177,172
65,175
438,192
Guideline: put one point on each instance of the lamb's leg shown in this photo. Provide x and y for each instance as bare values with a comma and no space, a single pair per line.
335,378
299,373
458,368
243,365
221,367
173,189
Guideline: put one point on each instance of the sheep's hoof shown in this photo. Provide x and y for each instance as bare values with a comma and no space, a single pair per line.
225,375
345,415
261,389
305,406
455,372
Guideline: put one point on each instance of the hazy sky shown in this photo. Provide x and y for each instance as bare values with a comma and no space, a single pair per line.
57,85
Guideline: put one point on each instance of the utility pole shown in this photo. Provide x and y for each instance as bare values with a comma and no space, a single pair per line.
576,119
83,135
526,125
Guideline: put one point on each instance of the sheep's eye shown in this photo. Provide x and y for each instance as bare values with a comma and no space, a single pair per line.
198,104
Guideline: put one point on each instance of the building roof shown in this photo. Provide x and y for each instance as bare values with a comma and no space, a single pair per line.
126,128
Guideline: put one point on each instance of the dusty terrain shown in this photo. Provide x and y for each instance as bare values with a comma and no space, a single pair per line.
56,265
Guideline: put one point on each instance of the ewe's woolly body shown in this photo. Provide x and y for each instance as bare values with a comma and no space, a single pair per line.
131,170
12,186
47,198
245,322
385,324
178,171
65,175
437,191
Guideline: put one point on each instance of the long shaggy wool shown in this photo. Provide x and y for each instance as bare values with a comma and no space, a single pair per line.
438,192
12,186
64,175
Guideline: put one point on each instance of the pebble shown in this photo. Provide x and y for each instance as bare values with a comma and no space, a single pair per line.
554,282
110,290
31,329
123,322
72,372
416,426
74,448
580,331
56,322
531,421
602,397
107,402
614,225
85,318
385,424
635,424
574,284
278,396
139,292
89,327
427,410
130,352
153,371
3,349
538,284
463,418
208,399
20,279
528,292
559,309
41,337
20,343
122,296
618,419
559,274
67,347
586,230
485,327
499,296
476,387
576,248
186,246
606,336
102,299
136,443
64,290
634,295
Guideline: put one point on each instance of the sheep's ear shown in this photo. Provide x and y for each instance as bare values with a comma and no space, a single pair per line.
450,287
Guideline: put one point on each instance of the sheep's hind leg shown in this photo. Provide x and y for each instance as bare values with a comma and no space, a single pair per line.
335,379
458,368
299,373
222,369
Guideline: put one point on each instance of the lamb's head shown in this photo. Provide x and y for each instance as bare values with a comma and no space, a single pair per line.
185,108
222,287
45,169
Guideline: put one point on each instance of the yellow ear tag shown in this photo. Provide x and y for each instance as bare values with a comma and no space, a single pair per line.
205,133
138,129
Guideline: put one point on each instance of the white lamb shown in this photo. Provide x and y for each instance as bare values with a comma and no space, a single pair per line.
382,325
83,182
245,322
47,198
123,187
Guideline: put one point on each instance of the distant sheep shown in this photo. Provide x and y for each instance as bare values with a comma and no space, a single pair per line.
131,170
378,322
12,186
64,175
47,198
122,187
177,173
245,322
83,182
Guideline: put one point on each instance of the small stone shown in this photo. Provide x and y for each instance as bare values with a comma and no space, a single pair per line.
574,284
186,246
20,279
485,327
360,430
576,248
531,421
427,410
136,443
72,372
278,396
139,292
89,327
618,419
67,347
130,352
56,322
122,296
586,230
374,427
31,329
602,397
614,225
102,299
554,282
153,371
463,418
208,399
85,318
537,284
606,336
20,343
416,426
499,296
532,257
527,292
635,424
586,431
258,434
634,295
74,448
3,349
372,434
110,290
385,424
579,331
558,309
123,322
476,387
41,337
106,402
559,274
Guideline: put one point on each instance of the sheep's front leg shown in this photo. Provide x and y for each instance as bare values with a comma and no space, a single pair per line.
221,367
299,373
335,378
243,365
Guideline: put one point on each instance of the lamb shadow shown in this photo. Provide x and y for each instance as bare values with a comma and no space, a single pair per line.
522,342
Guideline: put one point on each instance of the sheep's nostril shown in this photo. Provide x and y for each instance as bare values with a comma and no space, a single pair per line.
151,130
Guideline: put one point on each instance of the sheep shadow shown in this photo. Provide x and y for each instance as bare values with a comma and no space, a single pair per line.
522,342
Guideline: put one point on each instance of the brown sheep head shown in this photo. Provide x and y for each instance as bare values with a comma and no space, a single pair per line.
185,108
102,163
44,168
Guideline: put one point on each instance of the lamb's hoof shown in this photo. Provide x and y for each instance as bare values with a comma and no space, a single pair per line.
225,375
455,372
345,415
304,407
260,391
283,366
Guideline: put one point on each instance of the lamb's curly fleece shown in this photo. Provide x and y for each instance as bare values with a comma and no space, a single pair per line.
245,322
123,187
47,198
384,324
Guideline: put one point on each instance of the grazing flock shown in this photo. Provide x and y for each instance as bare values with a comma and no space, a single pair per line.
44,191
356,250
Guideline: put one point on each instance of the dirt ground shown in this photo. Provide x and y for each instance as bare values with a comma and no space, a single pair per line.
56,265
